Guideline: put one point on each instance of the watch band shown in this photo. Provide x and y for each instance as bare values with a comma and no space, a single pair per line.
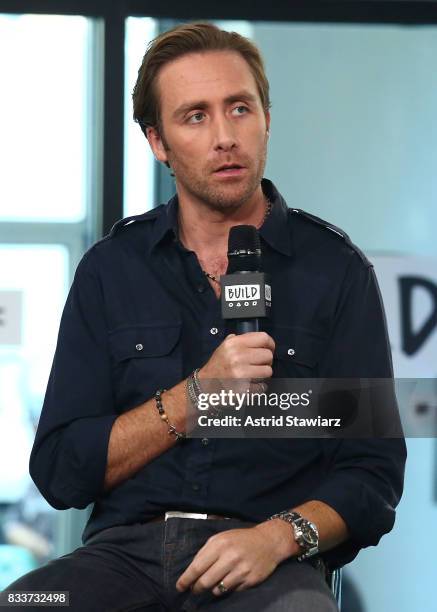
299,524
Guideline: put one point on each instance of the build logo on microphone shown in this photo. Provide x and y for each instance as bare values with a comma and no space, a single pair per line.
245,295
240,293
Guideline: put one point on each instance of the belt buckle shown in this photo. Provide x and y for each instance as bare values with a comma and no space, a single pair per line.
178,514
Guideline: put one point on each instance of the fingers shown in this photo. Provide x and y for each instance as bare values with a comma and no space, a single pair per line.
238,559
231,582
258,373
258,387
211,579
204,559
209,566
245,356
260,356
253,340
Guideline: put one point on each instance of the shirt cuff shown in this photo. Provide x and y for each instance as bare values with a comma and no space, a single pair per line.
84,460
368,516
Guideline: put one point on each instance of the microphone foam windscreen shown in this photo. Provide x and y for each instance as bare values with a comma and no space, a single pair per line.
244,249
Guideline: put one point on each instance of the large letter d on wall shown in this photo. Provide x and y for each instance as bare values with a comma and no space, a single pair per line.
412,341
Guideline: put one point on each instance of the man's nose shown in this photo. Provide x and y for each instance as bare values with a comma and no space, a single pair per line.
224,134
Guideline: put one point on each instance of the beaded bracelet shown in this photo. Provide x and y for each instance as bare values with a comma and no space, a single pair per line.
164,417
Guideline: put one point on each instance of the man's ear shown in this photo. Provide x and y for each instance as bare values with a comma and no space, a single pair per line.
156,144
268,122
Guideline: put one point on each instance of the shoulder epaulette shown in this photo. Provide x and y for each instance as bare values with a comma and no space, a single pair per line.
147,216
332,228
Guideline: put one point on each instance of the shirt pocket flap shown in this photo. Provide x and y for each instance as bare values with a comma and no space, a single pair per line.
151,340
297,345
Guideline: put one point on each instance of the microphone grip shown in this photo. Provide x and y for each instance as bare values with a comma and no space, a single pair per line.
250,325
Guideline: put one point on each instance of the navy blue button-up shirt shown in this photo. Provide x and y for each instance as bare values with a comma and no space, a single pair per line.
140,316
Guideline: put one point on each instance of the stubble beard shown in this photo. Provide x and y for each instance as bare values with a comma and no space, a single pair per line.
220,199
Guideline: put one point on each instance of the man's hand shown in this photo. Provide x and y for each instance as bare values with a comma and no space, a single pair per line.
246,357
240,557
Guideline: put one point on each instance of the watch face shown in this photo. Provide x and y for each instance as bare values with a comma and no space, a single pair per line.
309,534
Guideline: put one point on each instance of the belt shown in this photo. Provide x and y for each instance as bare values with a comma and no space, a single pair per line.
187,515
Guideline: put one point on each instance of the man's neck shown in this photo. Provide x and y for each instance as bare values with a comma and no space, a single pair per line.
206,231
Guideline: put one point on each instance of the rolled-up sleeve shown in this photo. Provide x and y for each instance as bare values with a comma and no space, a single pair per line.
365,476
68,458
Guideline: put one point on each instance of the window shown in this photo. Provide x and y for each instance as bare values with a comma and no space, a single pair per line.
48,212
139,162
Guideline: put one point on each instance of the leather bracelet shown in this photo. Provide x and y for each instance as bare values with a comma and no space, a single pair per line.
164,417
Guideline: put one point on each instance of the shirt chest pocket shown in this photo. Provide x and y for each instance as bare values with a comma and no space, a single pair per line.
297,352
145,357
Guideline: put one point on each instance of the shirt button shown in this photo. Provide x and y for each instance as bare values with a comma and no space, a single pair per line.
213,331
139,347
205,441
290,352
201,288
195,487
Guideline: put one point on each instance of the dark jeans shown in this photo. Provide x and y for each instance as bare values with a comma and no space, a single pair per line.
135,567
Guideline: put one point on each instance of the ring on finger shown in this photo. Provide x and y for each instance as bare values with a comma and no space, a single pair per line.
221,587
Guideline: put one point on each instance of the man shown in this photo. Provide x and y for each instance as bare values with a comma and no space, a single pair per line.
143,314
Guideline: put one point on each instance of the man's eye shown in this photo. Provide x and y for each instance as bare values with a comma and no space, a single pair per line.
240,110
196,118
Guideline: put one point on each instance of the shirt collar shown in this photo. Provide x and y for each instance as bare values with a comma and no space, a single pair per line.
166,224
274,230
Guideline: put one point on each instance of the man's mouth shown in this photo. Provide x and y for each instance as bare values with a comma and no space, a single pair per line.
229,170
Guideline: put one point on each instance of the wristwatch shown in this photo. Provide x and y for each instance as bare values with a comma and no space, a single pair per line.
305,532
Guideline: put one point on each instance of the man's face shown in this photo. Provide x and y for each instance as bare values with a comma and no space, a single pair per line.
211,116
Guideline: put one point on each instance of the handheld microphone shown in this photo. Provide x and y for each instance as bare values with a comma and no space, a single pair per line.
245,289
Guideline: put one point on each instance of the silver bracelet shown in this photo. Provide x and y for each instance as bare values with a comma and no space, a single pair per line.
191,392
194,390
196,382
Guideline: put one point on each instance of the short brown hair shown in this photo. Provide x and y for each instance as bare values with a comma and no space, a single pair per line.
189,38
